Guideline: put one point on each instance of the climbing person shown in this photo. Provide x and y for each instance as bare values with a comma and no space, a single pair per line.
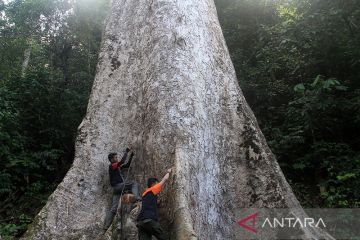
119,184
148,224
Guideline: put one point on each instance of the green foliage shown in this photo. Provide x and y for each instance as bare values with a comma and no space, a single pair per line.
322,155
41,109
298,65
9,230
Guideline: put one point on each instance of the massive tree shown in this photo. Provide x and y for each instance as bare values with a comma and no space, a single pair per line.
165,85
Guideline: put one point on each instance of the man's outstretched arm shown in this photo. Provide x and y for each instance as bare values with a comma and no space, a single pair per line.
166,177
123,159
157,187
129,162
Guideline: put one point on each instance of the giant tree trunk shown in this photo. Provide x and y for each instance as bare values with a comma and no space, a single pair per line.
165,84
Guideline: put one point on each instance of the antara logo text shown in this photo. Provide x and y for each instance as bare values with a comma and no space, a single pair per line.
249,222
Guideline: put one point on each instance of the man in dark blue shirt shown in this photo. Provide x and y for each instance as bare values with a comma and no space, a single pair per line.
148,224
119,184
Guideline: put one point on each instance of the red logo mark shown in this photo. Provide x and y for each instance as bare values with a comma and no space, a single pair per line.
251,218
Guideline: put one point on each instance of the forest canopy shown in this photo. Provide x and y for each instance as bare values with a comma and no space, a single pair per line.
297,62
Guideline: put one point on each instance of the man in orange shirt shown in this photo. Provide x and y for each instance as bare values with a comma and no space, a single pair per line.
148,224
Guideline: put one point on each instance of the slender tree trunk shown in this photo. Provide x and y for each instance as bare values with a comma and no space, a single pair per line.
26,61
165,84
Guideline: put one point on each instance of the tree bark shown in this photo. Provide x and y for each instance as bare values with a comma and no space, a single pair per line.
26,61
165,84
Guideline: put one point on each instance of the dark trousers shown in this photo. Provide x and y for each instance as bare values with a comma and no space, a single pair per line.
117,191
148,228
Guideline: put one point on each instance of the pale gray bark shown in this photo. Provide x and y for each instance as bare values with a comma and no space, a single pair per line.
26,61
166,85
